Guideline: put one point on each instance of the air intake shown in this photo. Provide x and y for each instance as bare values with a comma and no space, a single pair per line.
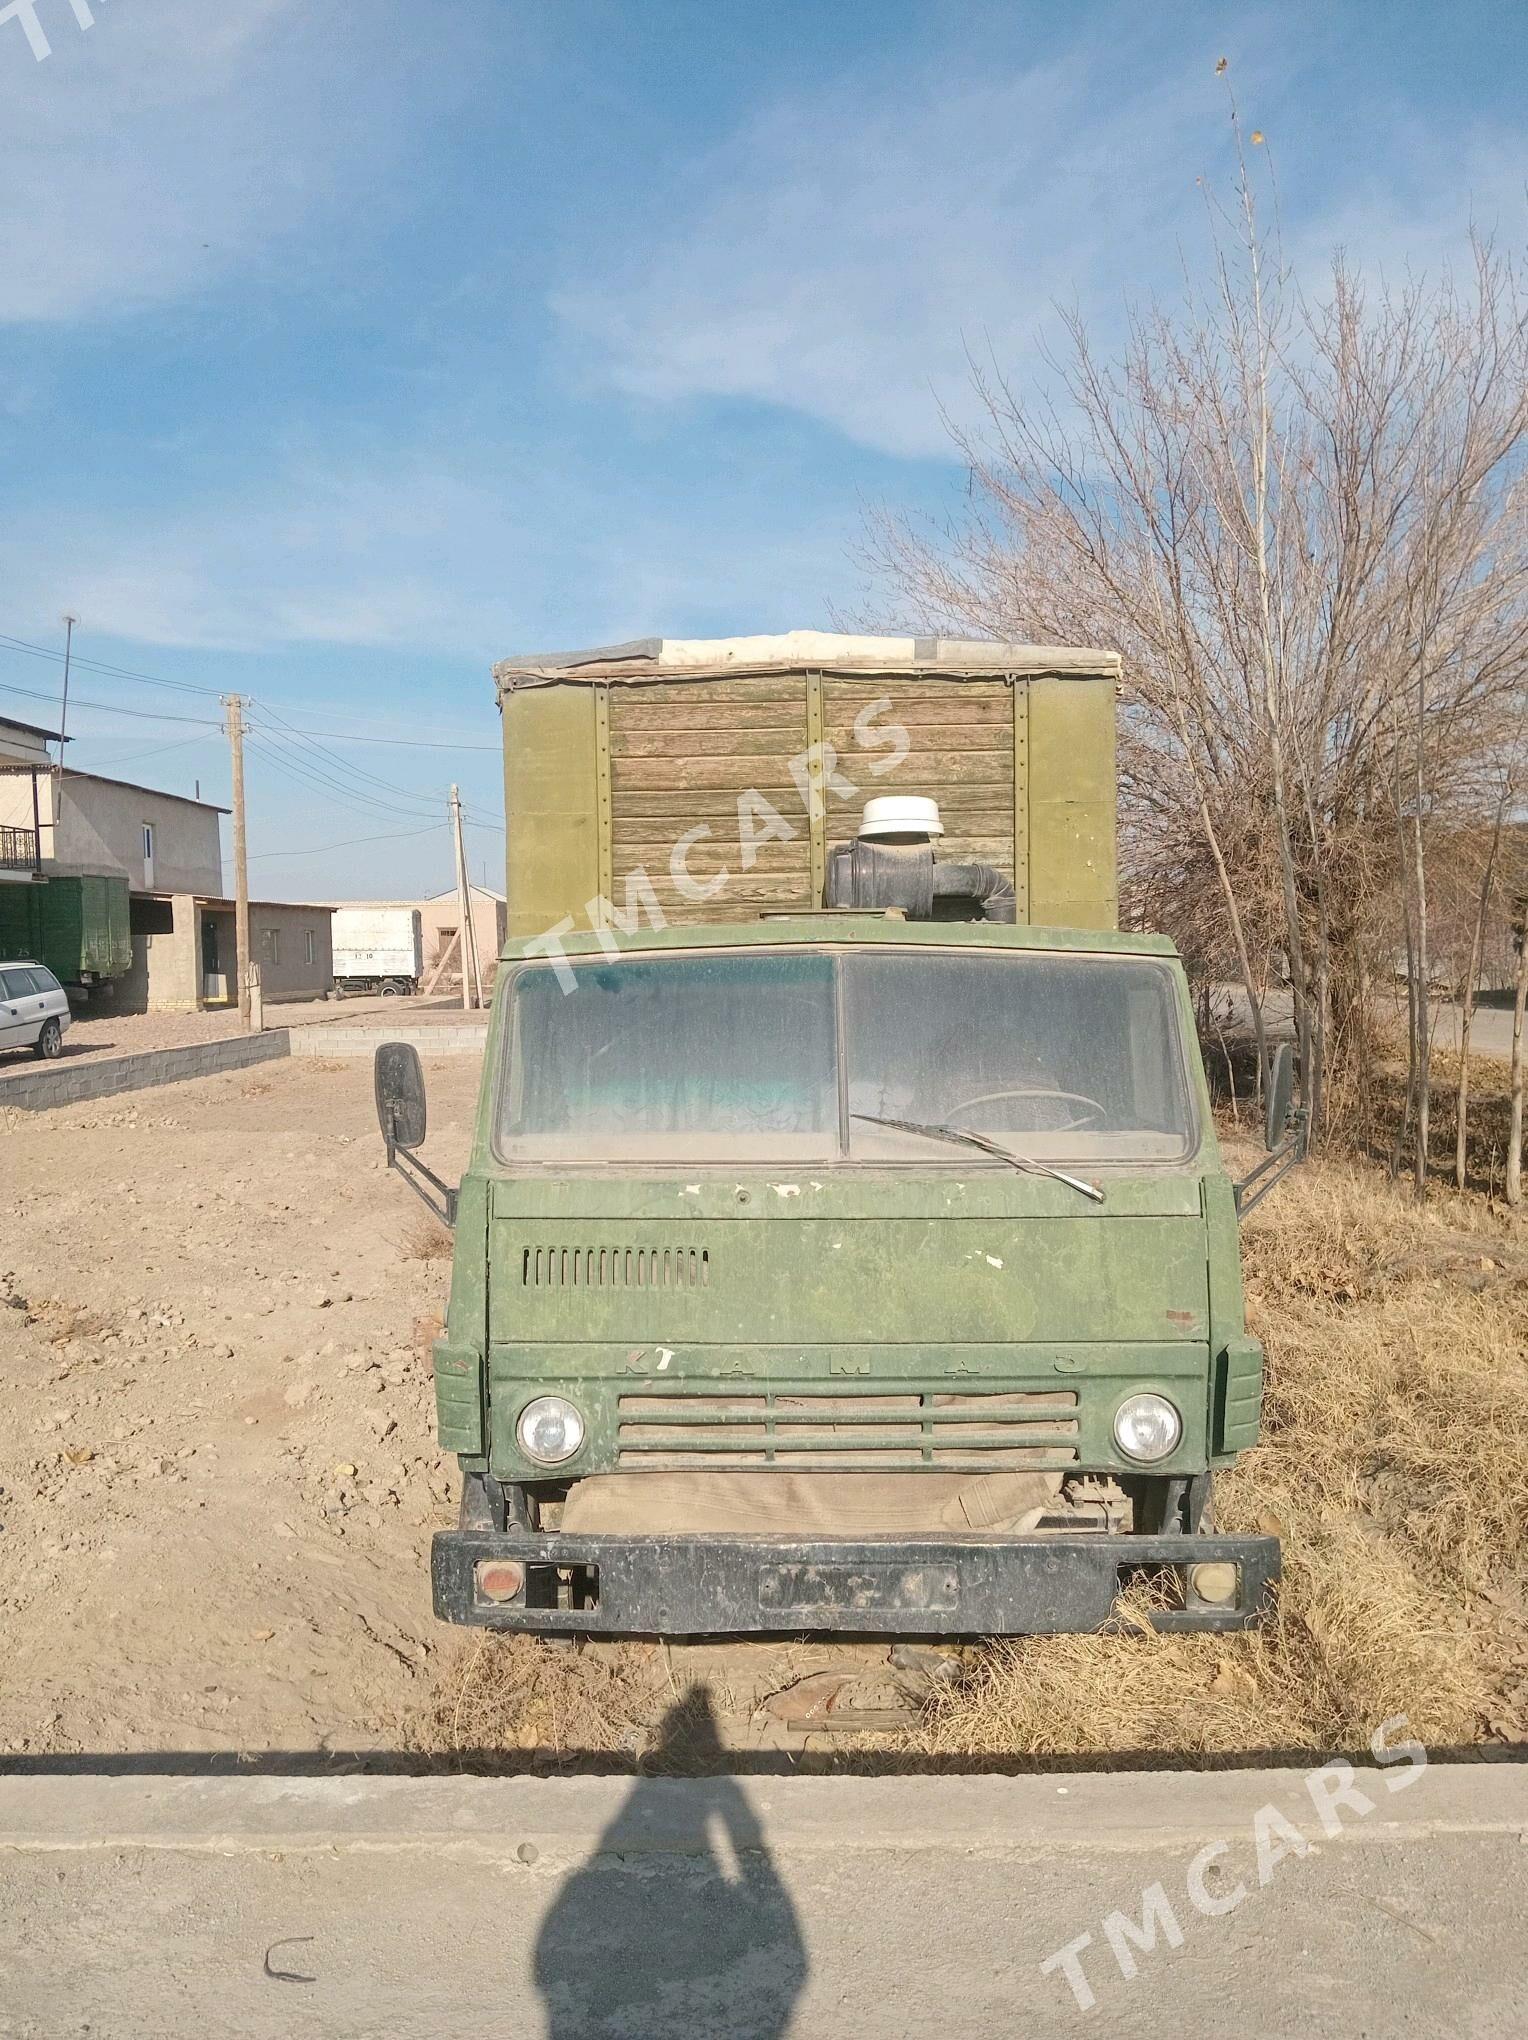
615,1267
878,875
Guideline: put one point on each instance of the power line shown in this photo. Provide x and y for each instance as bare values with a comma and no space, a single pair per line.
403,743
16,644
291,760
111,707
353,797
109,671
359,771
154,750
321,849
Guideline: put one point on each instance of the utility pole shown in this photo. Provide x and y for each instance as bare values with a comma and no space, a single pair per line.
235,727
63,716
468,946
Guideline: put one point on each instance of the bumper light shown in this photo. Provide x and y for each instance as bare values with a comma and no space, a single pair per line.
550,1430
1215,1583
501,1580
1147,1427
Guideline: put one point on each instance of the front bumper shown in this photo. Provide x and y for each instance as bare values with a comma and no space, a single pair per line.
972,1585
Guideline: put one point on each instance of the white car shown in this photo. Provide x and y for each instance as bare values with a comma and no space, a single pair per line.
34,1010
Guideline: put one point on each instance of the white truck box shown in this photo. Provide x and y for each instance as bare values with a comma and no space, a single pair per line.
378,949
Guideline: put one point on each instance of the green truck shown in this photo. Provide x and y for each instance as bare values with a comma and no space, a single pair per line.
845,1244
76,925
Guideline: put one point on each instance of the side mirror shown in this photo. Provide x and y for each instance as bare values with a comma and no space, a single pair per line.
1281,1091
1285,1130
399,1083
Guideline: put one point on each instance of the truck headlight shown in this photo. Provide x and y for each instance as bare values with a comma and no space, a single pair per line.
550,1430
1147,1427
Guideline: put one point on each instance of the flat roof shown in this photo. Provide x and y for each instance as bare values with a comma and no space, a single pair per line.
850,927
9,722
296,906
818,651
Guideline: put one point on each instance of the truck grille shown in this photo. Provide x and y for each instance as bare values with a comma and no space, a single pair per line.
982,1433
615,1267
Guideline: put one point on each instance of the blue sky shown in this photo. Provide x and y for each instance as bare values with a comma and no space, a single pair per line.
344,349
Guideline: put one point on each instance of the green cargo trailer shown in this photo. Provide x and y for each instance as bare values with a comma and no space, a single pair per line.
77,926
611,758
845,1243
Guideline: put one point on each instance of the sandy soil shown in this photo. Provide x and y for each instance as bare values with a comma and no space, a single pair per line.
218,1474
217,1470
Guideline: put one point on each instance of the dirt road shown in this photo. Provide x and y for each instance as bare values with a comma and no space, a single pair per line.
218,1471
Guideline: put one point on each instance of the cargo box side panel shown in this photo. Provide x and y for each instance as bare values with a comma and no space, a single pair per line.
21,920
960,753
552,862
1072,858
119,930
683,756
63,928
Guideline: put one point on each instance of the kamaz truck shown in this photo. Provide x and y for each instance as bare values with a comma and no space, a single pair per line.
845,1244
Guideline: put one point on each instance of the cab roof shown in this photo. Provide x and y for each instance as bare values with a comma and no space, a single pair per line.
840,926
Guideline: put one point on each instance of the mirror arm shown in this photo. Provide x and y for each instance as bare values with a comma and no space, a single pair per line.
1274,1167
412,1170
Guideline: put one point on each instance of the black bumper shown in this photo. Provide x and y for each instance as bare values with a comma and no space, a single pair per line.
760,1585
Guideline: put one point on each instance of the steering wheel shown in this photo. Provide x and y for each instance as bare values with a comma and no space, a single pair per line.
1093,1112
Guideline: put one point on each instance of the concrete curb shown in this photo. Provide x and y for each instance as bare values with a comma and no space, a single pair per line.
338,1039
45,1089
530,1820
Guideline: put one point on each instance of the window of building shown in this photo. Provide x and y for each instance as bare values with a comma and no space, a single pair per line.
309,946
270,944
148,853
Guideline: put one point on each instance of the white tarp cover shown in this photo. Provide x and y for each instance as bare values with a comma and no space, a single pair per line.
793,651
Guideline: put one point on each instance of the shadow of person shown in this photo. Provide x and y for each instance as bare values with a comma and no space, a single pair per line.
679,1921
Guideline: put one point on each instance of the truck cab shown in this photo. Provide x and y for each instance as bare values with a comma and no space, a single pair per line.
846,1267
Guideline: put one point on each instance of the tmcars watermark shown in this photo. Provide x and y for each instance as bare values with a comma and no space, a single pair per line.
1334,1795
816,773
26,12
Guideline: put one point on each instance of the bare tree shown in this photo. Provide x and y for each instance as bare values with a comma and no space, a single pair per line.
1469,990
1519,1004
1302,520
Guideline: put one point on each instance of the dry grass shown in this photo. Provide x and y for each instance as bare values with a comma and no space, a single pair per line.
556,1704
426,1240
1395,1467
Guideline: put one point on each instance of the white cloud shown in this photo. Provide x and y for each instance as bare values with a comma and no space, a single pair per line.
489,550
842,253
164,145
839,254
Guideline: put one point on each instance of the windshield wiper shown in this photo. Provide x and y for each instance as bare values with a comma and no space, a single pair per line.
987,1147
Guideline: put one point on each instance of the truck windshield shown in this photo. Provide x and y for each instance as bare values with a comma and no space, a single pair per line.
713,1058
736,1058
1054,1057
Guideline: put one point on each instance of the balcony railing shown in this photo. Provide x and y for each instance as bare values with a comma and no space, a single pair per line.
18,850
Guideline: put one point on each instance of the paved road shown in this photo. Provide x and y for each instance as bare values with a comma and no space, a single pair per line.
724,1907
1490,1028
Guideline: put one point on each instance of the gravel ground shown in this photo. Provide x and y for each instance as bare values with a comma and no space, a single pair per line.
218,1475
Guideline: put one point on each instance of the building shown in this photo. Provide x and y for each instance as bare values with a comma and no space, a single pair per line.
185,952
168,847
440,918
